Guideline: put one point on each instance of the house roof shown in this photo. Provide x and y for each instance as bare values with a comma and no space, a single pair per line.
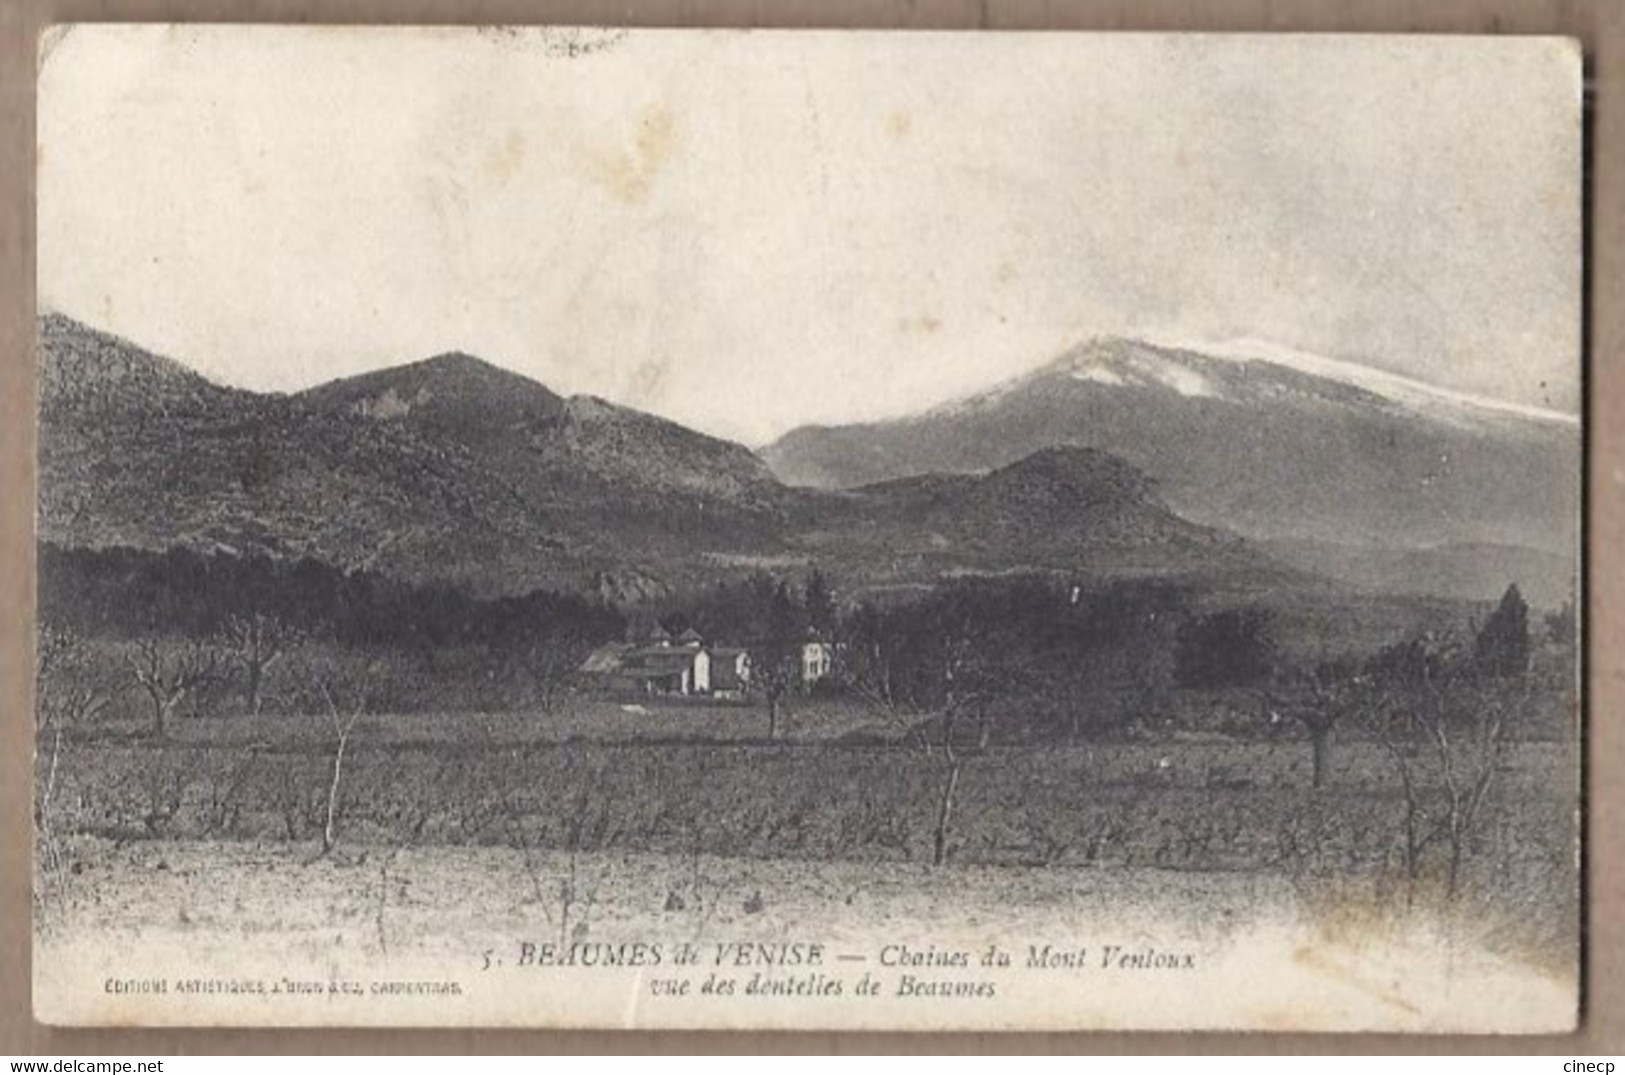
678,653
658,660
633,659
606,658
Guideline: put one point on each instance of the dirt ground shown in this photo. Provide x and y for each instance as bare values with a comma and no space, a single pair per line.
354,933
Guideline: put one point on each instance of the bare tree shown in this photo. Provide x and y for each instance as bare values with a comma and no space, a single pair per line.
778,634
164,779
222,797
1319,702
1445,729
67,696
568,894
548,667
1469,742
589,829
698,890
168,677
408,819
964,701
932,679
343,723
775,670
255,641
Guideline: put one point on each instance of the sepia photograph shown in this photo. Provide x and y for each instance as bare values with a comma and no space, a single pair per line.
568,527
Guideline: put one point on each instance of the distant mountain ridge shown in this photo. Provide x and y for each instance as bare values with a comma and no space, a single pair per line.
560,453
452,469
86,368
1267,443
1062,508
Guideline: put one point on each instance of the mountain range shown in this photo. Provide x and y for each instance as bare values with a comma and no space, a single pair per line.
1358,474
454,470
1120,459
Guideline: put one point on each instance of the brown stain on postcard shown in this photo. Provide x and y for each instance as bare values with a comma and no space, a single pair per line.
504,159
648,379
1318,963
628,174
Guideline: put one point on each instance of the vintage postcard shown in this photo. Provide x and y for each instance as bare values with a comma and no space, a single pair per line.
571,527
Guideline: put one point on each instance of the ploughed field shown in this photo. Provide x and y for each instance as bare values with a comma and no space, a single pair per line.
1192,804
459,835
576,718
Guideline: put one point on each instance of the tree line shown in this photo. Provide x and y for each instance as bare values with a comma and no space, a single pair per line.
959,670
175,626
182,593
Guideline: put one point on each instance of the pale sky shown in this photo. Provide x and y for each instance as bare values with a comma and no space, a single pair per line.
750,231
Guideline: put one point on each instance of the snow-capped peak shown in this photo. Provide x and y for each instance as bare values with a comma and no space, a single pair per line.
1142,369
1106,361
1406,392
1253,371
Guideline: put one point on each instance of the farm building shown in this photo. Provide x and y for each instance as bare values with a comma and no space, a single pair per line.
667,670
662,665
817,662
730,672
605,660
687,665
